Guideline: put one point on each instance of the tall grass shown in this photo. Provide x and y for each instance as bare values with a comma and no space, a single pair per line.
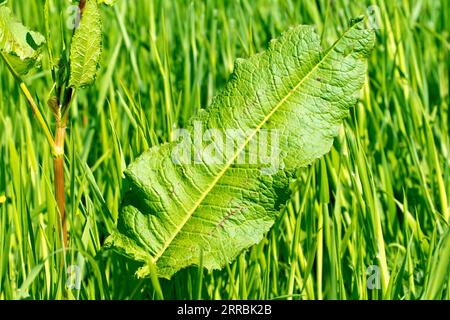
369,221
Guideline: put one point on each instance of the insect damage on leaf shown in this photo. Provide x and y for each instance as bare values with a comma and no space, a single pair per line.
86,47
209,206
20,47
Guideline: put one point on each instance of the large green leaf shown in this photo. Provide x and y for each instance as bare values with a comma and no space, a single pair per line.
19,47
86,47
175,213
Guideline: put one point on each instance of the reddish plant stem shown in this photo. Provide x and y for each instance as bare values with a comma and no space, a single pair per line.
58,165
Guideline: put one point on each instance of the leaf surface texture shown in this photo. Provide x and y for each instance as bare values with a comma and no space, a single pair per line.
174,213
86,47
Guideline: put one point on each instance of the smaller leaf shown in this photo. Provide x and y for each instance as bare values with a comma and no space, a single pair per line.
53,104
86,47
19,47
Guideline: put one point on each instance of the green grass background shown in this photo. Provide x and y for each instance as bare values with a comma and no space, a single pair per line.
378,204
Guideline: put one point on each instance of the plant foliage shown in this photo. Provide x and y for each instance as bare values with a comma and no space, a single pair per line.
86,47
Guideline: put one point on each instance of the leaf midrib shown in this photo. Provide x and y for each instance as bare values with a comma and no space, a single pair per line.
256,130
